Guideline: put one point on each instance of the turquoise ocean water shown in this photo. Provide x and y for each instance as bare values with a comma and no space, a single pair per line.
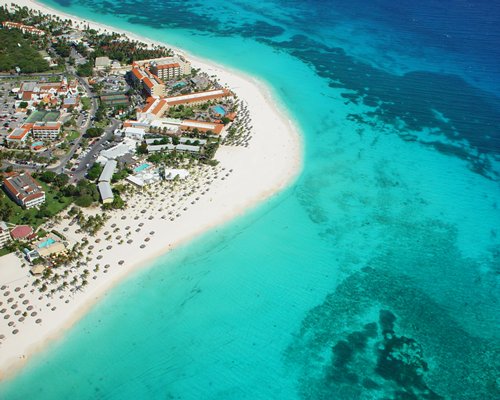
375,276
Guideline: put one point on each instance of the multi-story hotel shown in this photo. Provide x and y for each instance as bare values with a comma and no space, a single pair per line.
168,67
166,71
46,130
24,190
19,135
151,84
4,234
198,97
23,28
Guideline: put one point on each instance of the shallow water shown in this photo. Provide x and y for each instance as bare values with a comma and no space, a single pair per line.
375,276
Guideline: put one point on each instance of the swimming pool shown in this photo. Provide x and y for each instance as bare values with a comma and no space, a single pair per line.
46,243
36,144
141,167
219,110
180,84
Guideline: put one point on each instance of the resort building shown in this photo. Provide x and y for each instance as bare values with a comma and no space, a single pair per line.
134,133
22,232
24,190
153,109
198,97
182,148
104,184
106,192
19,135
151,84
46,130
4,234
23,28
126,147
166,71
201,126
167,67
108,171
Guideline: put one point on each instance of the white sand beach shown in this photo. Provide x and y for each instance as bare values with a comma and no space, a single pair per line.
169,216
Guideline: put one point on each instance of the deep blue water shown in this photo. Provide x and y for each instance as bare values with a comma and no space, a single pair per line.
375,276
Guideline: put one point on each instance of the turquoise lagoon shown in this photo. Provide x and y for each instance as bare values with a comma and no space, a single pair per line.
375,275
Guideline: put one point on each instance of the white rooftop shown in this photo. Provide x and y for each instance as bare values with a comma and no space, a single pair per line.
108,171
105,190
192,96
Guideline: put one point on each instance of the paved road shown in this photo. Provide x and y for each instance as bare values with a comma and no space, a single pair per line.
89,159
93,108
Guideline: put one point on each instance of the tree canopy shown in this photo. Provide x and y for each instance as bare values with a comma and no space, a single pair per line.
16,51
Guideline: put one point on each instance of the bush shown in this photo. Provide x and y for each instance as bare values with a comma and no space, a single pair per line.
84,201
94,132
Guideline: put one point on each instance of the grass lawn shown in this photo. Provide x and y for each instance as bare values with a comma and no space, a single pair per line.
85,103
72,135
53,203
5,251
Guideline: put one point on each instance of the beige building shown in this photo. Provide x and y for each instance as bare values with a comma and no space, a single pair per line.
24,190
175,64
46,130
151,84
4,234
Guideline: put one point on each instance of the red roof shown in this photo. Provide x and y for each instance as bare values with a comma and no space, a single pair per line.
21,231
137,73
54,127
159,107
148,83
165,66
149,102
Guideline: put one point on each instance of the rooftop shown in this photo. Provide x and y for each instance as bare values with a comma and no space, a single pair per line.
198,96
21,232
107,172
23,186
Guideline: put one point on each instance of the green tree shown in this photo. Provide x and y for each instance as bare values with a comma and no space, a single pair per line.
94,171
61,180
86,69
84,201
94,132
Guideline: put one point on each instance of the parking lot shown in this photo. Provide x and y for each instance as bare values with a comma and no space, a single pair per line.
9,119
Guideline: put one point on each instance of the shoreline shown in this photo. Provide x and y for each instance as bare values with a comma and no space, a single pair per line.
269,165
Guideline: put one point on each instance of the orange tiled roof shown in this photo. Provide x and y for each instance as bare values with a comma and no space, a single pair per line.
47,127
149,102
148,83
159,107
137,73
165,66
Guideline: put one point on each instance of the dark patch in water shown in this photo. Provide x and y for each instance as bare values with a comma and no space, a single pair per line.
414,98
388,332
259,29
